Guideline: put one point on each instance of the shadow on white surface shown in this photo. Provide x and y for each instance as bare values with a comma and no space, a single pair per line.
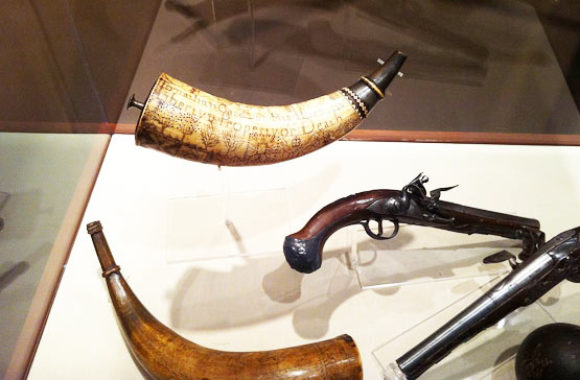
207,299
419,254
255,289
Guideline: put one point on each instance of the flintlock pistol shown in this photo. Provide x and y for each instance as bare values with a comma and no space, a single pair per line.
555,261
411,205
186,122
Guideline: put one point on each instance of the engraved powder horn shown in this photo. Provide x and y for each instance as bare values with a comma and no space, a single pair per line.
162,354
189,123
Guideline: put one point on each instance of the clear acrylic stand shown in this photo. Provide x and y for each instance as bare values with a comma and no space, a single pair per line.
247,53
228,224
421,255
563,302
477,358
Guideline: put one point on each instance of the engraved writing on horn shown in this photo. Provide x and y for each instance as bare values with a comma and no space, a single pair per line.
189,123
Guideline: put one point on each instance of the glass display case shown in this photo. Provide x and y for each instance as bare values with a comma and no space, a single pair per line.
486,70
46,182
488,98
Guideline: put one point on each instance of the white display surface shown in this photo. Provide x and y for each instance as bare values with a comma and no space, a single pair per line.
253,300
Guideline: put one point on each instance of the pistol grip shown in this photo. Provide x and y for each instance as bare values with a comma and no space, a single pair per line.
303,255
303,249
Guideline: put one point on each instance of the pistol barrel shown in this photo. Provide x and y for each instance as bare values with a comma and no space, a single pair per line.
556,261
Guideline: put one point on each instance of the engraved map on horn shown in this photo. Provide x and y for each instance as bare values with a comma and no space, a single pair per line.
186,122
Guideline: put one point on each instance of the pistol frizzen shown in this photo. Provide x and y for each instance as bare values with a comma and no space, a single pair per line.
411,205
555,261
186,122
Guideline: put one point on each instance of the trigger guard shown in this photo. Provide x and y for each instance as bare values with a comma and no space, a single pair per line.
380,236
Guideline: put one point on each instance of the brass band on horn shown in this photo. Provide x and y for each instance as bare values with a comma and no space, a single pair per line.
186,122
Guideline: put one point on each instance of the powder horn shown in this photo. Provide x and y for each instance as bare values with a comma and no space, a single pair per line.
186,122
162,354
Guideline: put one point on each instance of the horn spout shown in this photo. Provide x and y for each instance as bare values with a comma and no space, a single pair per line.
371,88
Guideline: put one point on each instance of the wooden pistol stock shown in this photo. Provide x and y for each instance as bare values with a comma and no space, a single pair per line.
411,205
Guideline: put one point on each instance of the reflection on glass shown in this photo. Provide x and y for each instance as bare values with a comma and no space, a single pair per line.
38,176
473,67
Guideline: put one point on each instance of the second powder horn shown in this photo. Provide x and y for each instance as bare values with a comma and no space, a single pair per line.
162,354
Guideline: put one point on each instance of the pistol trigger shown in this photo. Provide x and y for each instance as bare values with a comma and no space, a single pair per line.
436,194
380,236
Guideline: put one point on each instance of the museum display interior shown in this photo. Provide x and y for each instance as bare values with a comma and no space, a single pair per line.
488,98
